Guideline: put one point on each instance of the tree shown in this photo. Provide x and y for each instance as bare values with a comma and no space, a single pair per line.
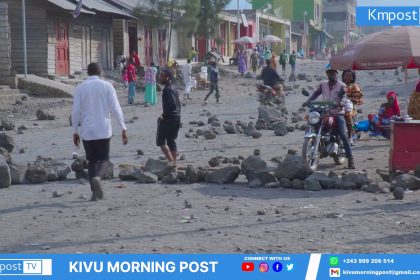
208,18
159,13
200,17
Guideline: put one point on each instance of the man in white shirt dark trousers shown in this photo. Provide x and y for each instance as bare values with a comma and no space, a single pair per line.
94,100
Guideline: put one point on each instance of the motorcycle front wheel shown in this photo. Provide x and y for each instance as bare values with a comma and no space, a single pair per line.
310,153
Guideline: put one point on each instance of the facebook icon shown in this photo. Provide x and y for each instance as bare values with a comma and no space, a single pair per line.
277,266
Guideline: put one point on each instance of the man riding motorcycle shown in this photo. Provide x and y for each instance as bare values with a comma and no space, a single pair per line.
334,90
272,79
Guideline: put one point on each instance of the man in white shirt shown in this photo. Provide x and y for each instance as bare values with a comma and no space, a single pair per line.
94,100
186,74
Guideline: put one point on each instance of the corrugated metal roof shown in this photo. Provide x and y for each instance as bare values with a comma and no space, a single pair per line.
69,6
131,4
101,6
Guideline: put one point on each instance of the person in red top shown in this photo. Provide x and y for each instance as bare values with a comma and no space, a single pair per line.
136,58
386,112
131,76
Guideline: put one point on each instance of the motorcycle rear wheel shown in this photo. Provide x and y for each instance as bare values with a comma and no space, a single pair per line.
307,153
340,159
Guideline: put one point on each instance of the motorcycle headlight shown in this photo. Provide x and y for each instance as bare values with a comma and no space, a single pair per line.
314,117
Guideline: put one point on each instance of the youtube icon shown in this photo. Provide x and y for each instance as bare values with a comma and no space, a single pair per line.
247,266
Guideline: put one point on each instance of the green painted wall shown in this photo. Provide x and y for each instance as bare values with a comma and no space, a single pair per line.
258,4
300,7
286,7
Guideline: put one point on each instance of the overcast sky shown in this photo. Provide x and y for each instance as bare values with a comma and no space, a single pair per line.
242,5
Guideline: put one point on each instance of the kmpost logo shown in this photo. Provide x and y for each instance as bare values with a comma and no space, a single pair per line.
27,267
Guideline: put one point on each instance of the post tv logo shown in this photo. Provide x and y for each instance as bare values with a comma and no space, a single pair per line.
27,267
335,272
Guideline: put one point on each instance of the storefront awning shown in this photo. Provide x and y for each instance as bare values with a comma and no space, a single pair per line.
69,6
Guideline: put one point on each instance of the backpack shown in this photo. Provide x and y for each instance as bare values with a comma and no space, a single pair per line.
214,75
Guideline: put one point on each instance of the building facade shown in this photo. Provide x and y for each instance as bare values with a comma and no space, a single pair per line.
59,44
340,21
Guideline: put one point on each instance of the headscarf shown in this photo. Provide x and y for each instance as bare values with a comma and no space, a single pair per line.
391,110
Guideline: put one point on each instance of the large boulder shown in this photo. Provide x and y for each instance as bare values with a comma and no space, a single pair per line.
325,181
312,184
109,171
358,179
129,172
251,165
7,125
36,174
191,174
209,135
56,171
226,175
384,175
155,166
170,175
79,164
5,178
270,115
6,155
406,181
261,178
230,128
146,178
280,129
43,116
17,173
301,76
293,167
7,142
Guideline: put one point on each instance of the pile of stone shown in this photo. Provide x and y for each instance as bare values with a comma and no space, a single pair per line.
40,171
80,168
156,170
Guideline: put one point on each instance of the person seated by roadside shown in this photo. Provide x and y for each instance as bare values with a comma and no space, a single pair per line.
380,121
414,103
234,59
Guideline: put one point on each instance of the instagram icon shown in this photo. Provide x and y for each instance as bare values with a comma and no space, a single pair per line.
263,267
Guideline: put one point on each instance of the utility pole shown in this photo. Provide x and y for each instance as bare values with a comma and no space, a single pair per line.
170,31
238,35
305,13
25,59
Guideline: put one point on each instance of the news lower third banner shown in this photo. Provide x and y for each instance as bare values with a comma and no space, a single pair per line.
388,13
211,266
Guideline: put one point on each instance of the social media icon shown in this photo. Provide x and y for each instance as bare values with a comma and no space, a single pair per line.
335,272
247,266
277,266
263,267
333,261
290,266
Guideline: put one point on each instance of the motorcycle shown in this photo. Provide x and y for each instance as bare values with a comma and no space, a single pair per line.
268,96
321,138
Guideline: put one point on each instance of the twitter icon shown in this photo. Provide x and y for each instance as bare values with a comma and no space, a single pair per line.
290,267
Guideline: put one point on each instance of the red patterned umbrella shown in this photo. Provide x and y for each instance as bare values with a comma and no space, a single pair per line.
388,49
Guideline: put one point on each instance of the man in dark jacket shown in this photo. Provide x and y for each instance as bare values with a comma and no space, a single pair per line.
170,120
